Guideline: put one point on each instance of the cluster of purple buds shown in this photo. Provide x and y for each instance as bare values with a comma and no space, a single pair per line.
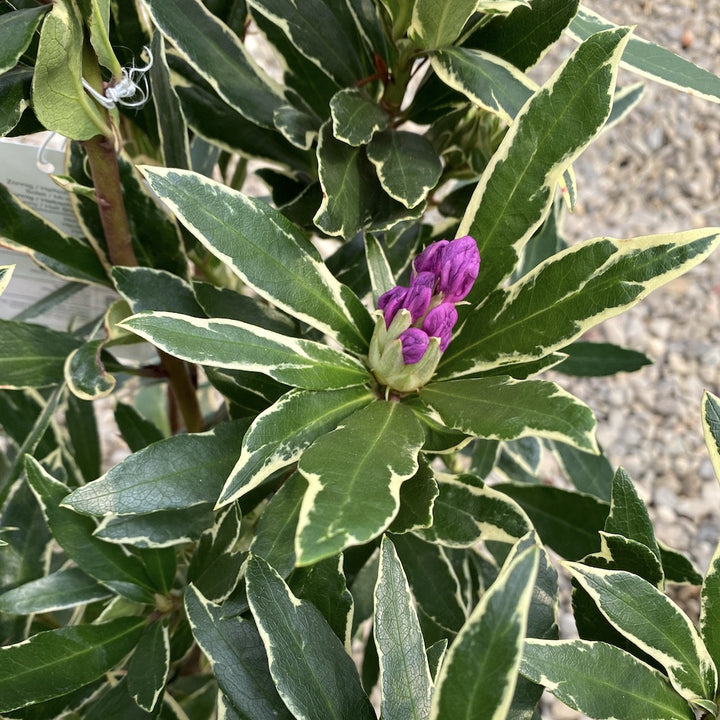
414,324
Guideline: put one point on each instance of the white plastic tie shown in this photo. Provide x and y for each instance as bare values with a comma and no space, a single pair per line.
132,84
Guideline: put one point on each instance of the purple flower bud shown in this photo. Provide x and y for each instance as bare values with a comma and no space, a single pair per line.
417,299
414,344
440,322
459,268
430,259
390,302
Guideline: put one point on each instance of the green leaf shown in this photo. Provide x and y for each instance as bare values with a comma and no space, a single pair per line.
570,293
136,431
274,539
356,117
14,96
653,61
59,98
219,57
493,84
436,23
160,529
405,681
216,122
172,474
467,511
433,580
298,127
57,662
677,568
147,289
237,656
16,32
590,474
319,33
85,372
522,36
324,585
57,591
149,666
628,515
590,359
618,552
172,126
32,355
239,346
313,673
353,496
278,437
22,229
710,608
655,624
82,427
553,512
108,564
406,164
266,252
98,21
417,501
479,674
535,153
353,199
602,681
711,429
500,408
380,272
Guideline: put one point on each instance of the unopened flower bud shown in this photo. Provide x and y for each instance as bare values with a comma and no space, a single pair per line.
459,268
414,344
439,323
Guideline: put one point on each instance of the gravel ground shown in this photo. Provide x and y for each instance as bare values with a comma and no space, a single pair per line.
659,171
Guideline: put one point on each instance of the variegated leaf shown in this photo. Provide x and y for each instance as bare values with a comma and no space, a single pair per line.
6,272
237,656
602,681
501,408
173,474
356,117
652,61
710,594
379,270
436,23
217,54
239,346
16,31
479,674
711,429
569,293
266,251
278,436
313,673
354,475
467,511
435,583
405,681
406,164
655,624
494,84
534,155
320,32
